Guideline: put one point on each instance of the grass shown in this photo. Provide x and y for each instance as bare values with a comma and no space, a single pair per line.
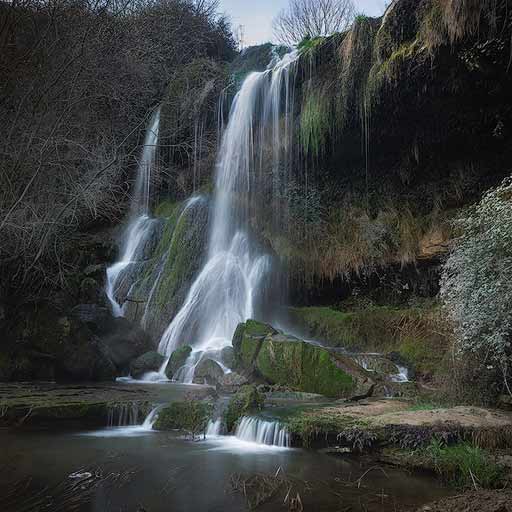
463,465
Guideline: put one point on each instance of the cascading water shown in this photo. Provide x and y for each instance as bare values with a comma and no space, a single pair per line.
256,430
231,284
140,224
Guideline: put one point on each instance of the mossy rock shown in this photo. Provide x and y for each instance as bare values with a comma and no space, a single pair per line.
208,372
148,362
246,401
247,342
177,360
312,369
286,360
191,416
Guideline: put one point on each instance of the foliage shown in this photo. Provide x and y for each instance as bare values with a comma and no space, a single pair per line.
79,80
311,19
246,401
192,416
477,279
315,121
463,465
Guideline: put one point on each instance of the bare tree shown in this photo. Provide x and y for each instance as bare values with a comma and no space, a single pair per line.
312,18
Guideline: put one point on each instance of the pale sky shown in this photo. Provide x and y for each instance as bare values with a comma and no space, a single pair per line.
256,15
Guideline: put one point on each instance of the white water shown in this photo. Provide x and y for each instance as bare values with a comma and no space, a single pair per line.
230,285
140,224
256,430
128,430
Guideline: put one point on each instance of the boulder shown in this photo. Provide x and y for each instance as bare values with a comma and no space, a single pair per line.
286,360
146,363
177,360
208,372
192,416
90,291
247,342
82,359
227,357
124,342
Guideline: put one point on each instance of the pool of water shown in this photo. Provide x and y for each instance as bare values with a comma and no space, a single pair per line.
133,469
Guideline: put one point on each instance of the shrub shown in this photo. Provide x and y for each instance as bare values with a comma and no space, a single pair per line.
192,416
464,465
476,283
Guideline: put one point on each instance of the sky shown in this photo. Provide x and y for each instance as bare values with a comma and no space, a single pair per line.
256,15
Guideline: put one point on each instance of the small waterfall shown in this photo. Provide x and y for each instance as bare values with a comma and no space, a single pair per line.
123,415
230,287
402,375
140,225
214,428
256,430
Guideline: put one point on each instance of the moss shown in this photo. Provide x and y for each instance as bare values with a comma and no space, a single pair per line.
315,121
177,360
191,416
310,44
304,367
247,342
246,401
166,208
415,333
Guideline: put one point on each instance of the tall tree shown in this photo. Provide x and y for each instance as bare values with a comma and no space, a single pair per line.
312,18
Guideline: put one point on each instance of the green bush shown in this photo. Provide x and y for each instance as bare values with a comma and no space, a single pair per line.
191,416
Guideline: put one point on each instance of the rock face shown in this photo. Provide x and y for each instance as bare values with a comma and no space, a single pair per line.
161,282
192,416
148,362
285,360
177,360
124,342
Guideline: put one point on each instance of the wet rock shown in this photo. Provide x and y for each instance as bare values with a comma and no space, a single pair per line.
208,372
123,342
148,362
96,317
227,356
192,416
231,382
177,360
82,359
286,360
247,342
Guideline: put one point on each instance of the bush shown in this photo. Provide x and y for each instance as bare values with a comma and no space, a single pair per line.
464,465
191,416
476,283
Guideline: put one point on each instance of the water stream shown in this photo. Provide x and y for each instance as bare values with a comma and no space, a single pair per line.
140,223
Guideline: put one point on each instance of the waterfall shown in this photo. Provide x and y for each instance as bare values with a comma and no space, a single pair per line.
230,287
122,415
140,224
255,430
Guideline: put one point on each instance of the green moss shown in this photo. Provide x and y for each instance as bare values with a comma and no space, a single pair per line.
302,366
191,416
415,333
177,360
246,401
310,44
315,121
166,208
247,342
